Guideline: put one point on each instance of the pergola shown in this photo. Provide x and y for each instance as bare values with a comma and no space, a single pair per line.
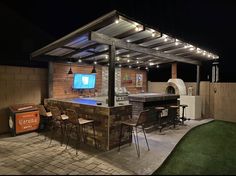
117,40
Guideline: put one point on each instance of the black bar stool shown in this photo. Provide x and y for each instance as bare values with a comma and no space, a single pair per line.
183,118
174,114
159,111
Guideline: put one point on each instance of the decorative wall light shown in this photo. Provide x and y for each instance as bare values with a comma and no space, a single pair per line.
94,69
70,70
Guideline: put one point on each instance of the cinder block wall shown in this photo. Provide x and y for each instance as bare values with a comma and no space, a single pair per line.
160,87
20,85
218,99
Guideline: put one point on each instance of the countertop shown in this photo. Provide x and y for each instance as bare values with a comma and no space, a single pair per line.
147,97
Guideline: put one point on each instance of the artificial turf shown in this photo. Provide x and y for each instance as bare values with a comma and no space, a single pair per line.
209,149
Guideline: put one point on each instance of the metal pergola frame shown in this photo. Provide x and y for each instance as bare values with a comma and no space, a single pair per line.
115,39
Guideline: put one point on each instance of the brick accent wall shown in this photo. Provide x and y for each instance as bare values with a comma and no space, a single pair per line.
131,85
20,85
62,82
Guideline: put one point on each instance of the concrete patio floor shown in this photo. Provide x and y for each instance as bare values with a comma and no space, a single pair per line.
30,154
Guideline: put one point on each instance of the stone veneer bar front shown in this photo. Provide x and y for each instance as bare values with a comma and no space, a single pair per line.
107,119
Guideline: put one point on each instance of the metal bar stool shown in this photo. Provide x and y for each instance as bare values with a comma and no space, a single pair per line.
58,122
79,125
45,118
175,114
183,118
159,111
135,123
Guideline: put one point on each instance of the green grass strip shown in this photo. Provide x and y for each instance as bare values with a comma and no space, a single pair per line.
209,149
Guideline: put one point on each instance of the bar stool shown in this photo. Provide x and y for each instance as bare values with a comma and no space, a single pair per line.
58,122
135,123
159,111
79,125
183,118
175,114
44,115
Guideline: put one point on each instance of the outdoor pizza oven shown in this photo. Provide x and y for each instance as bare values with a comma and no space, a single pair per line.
176,86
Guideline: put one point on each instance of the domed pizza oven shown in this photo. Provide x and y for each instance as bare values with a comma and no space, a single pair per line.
176,86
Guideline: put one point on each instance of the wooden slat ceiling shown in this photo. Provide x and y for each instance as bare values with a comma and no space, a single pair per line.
77,46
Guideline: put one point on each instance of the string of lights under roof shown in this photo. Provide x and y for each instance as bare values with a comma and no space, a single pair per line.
165,38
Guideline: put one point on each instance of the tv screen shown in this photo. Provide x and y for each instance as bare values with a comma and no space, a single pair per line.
84,81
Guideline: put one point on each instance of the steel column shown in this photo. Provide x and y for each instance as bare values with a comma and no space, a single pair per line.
198,80
111,76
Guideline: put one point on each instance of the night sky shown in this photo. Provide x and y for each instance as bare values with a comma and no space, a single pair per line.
211,25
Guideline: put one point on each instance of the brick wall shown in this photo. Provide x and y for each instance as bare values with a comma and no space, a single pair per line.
131,85
62,82
20,85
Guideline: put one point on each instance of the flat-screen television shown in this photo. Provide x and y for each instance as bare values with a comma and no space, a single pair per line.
84,81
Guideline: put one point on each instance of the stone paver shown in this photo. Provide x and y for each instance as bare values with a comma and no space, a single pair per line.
30,154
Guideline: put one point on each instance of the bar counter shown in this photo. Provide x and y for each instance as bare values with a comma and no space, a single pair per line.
107,119
145,101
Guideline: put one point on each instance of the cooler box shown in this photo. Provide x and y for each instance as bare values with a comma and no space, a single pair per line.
23,118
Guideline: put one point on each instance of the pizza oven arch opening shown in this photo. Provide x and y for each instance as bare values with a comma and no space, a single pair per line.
170,90
175,86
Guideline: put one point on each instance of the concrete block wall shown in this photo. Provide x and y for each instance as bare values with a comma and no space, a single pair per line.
20,85
160,87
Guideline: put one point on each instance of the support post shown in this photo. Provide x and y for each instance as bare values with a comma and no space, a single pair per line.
50,80
198,80
174,70
111,76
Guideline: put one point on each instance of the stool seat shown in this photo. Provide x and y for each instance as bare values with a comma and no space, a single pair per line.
84,121
159,108
130,122
183,105
174,106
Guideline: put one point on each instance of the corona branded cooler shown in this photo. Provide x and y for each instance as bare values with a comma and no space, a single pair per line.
23,118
